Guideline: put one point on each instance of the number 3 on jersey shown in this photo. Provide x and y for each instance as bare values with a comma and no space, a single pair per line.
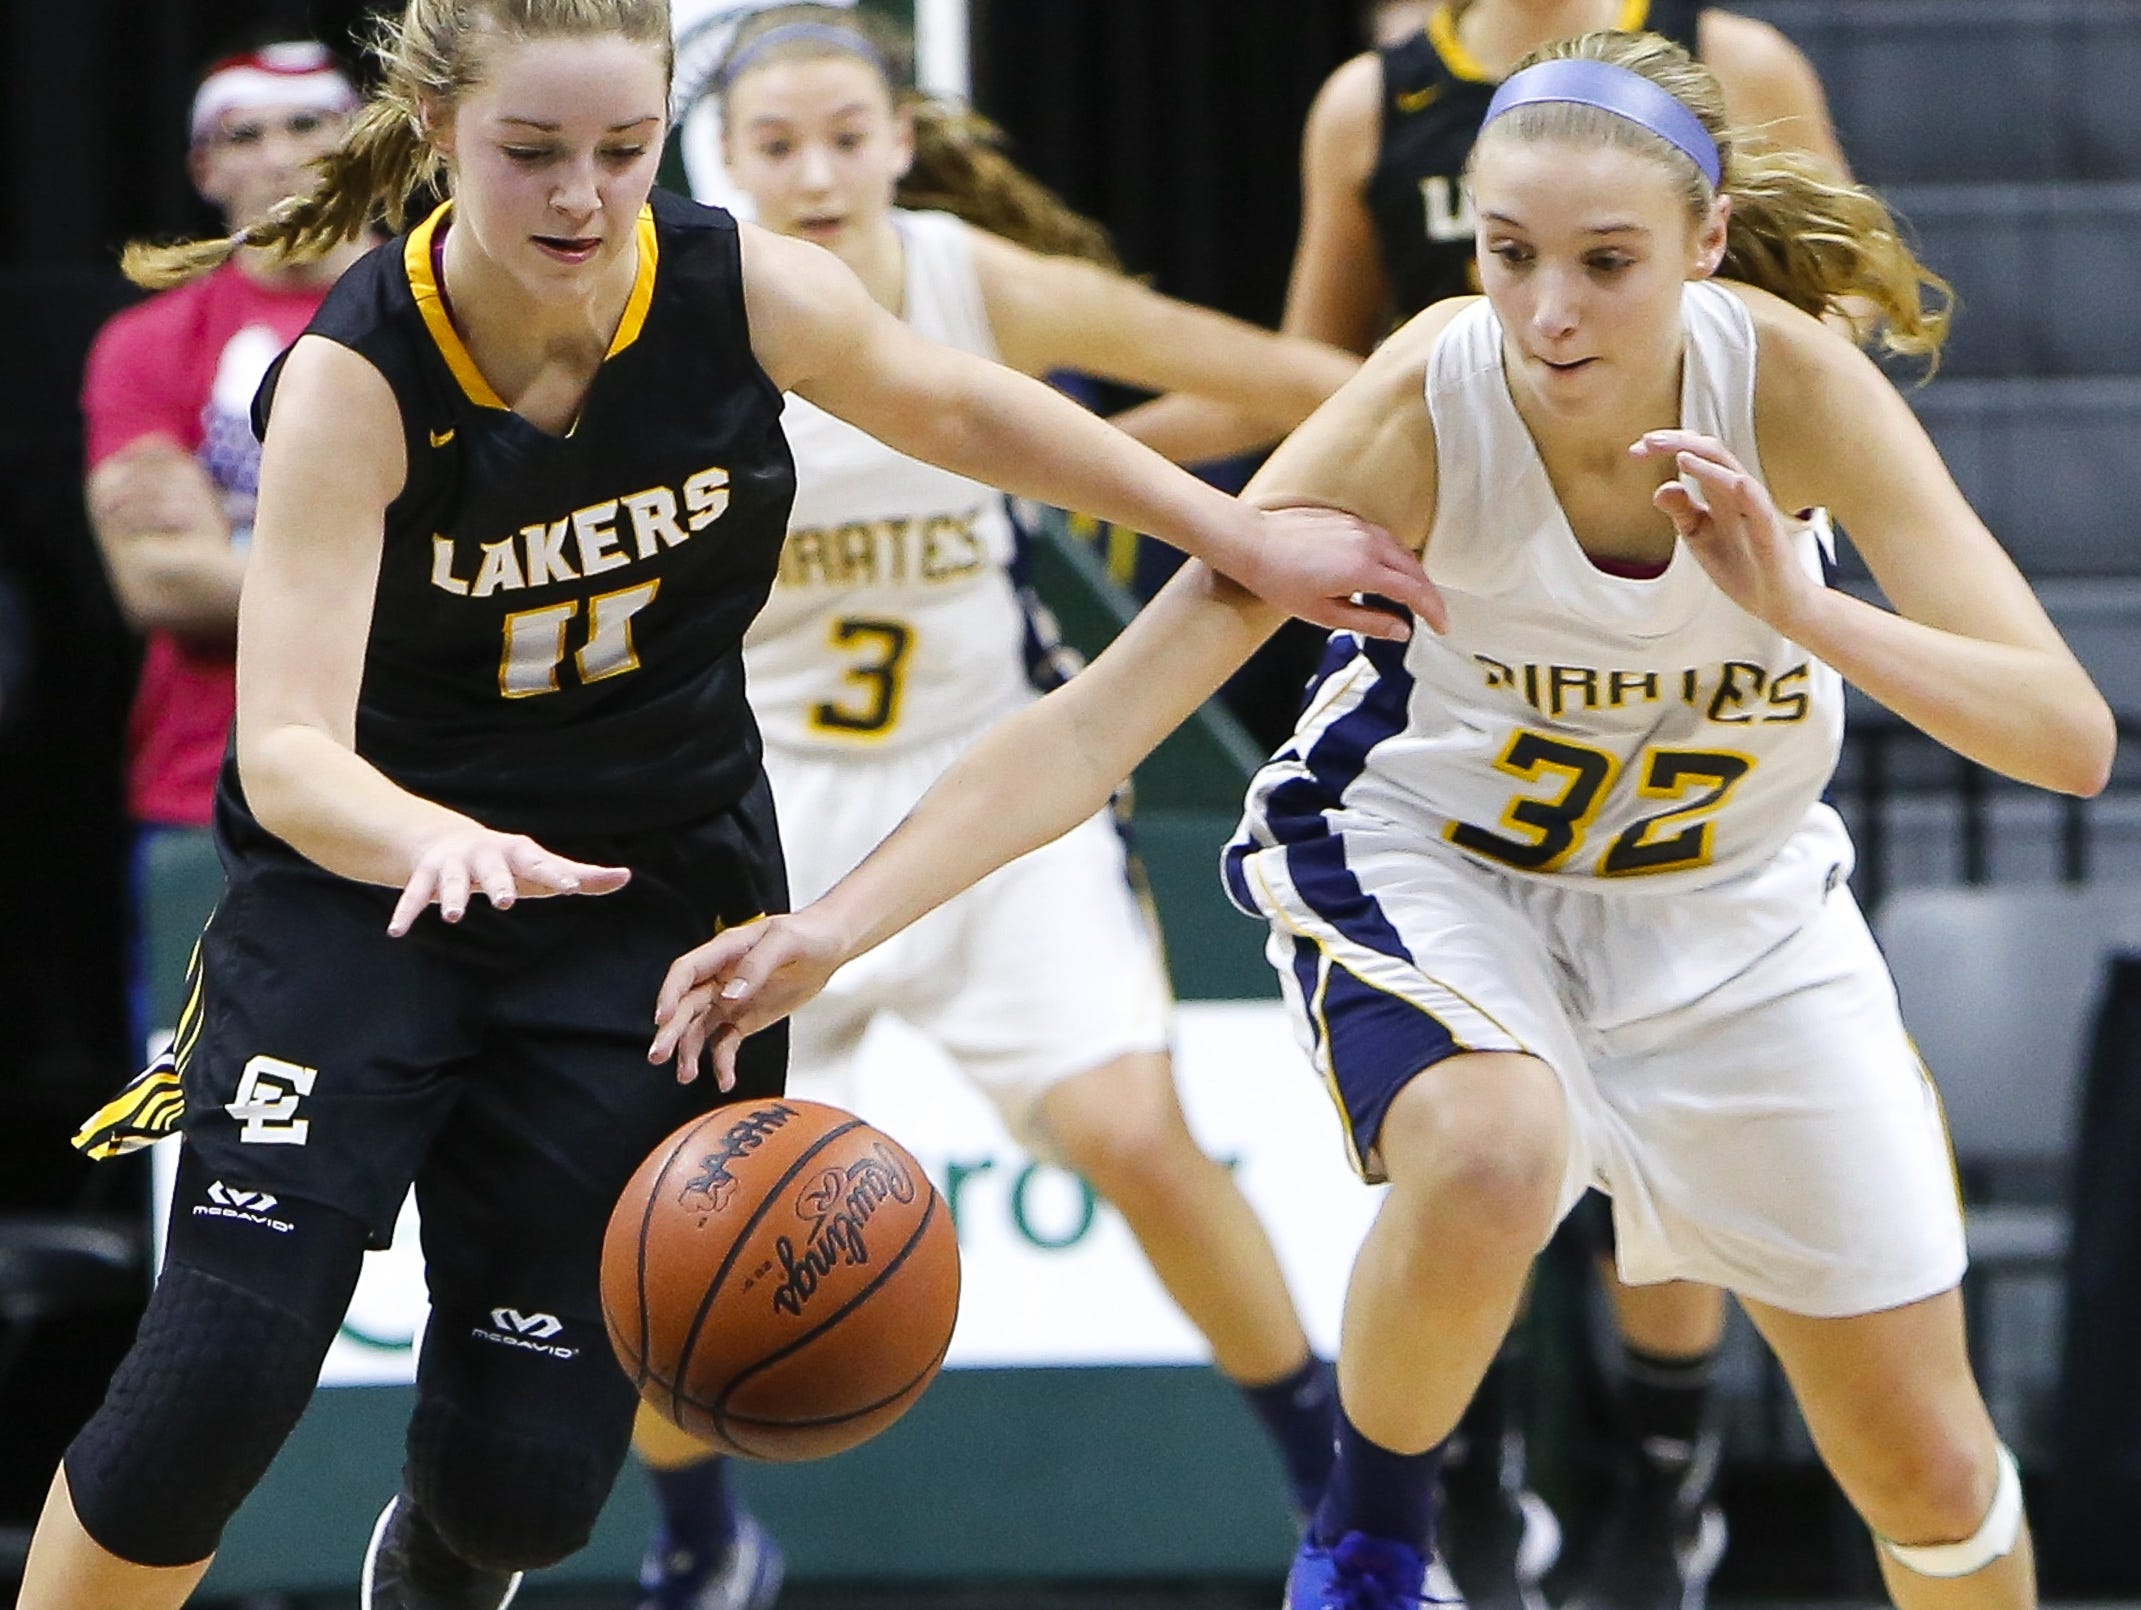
1549,829
878,674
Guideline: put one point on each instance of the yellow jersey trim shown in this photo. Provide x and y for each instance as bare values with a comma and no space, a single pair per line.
1442,34
431,303
424,286
642,297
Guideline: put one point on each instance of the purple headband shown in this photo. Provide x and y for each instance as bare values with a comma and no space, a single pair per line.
1619,91
852,40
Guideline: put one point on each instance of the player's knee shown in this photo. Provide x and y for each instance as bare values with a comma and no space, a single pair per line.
215,1380
1932,1486
1481,1142
512,1451
1132,1143
1961,1520
500,1499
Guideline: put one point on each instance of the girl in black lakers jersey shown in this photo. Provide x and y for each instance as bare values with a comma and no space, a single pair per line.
523,487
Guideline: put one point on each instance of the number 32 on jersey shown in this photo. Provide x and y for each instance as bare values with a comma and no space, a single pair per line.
1547,831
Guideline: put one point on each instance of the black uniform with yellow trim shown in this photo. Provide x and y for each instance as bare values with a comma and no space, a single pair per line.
555,648
1435,95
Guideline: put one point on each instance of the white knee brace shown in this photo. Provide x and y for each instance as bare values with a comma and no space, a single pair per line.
1991,1541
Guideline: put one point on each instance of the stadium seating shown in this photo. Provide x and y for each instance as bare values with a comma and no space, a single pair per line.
1976,90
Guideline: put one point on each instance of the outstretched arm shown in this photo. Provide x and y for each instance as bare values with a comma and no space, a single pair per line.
818,334
1365,455
1052,313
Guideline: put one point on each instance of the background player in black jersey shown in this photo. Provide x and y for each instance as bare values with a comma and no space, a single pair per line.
1386,229
523,489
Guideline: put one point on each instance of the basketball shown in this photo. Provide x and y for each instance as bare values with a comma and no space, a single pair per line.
780,1280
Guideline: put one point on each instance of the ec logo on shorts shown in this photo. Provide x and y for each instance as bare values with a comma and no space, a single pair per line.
266,1104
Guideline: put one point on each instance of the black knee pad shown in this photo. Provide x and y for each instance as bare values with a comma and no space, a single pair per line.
518,1435
196,1410
222,1366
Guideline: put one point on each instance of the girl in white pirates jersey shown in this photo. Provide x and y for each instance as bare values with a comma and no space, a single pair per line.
895,635
1551,888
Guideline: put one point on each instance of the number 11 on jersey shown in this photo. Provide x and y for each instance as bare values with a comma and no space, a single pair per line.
535,641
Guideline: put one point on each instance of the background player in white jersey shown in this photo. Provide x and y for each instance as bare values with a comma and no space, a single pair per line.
895,635
1552,890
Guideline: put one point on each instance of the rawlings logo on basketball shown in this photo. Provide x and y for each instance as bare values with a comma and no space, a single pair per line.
839,1205
708,1191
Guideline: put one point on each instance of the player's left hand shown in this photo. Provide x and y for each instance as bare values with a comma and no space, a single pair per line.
742,980
1733,527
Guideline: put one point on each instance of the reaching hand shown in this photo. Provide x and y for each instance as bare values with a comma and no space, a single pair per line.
471,859
740,981
1732,526
1312,561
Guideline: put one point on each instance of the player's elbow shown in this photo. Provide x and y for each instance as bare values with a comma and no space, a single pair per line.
2086,760
276,757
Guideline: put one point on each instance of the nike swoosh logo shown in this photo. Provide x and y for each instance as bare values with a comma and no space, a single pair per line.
439,438
1418,100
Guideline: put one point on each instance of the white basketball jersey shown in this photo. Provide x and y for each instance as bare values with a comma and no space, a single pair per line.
894,622
1571,724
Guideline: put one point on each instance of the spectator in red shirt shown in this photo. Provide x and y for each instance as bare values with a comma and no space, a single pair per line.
167,399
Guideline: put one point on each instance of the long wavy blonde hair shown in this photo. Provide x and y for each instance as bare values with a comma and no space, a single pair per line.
428,57
1821,244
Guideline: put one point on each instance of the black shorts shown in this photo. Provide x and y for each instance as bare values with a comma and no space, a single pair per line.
499,1063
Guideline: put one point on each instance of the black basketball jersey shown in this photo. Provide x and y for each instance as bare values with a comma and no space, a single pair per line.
556,636
1435,97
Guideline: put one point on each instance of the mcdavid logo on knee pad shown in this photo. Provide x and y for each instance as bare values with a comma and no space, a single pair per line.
509,1327
248,1207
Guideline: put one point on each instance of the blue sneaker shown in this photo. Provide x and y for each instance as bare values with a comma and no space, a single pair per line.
746,1577
1366,1573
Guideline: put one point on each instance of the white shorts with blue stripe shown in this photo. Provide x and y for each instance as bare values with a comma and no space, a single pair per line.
1737,1074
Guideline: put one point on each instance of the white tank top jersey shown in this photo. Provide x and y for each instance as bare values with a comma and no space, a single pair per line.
1571,724
894,622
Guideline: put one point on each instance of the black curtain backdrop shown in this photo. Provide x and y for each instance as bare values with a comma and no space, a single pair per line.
1175,122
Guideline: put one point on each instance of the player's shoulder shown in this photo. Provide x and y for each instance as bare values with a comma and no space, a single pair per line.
1398,371
1349,104
1412,344
1803,365
1746,50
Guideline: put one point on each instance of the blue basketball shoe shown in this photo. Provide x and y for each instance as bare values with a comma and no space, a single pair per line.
1366,1573
745,1576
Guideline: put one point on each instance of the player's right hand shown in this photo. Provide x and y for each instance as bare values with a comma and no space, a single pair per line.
1317,562
742,980
469,859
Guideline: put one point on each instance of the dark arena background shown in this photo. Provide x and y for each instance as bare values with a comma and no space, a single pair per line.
1082,1455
